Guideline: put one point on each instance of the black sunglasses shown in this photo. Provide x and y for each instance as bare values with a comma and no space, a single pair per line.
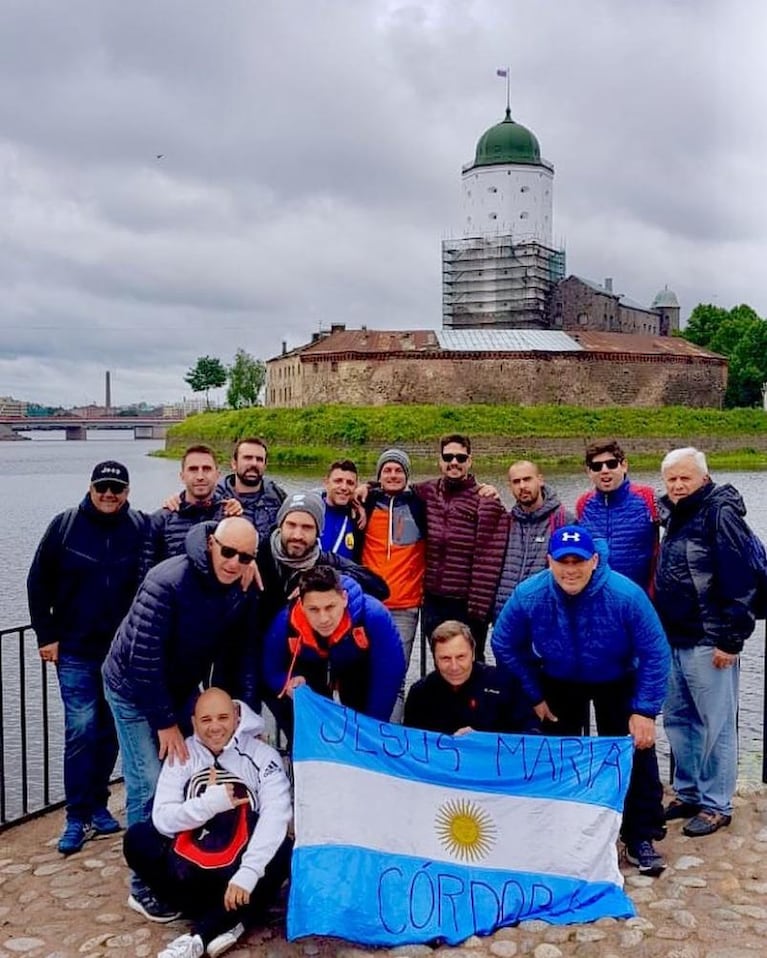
458,456
107,485
604,464
229,552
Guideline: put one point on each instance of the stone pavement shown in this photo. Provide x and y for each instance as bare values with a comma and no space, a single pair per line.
711,902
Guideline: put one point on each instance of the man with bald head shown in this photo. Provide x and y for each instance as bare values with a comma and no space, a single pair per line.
191,622
536,513
216,847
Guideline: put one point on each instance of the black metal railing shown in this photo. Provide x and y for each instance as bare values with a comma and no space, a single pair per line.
32,729
26,726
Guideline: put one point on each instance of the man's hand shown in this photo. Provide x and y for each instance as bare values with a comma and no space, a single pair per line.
361,492
488,491
172,503
544,713
229,787
50,652
720,660
231,507
294,683
642,730
235,897
250,575
463,731
360,517
172,745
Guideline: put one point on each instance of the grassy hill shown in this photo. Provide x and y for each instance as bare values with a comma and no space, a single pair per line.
553,434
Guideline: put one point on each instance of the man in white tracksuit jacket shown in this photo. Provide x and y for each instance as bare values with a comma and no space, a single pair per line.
216,847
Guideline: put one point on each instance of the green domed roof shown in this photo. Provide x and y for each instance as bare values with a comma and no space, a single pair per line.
507,142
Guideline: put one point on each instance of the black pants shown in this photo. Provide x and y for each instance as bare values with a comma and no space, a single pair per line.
643,818
437,609
199,892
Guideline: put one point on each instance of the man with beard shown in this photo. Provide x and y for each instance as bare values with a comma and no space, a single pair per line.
461,526
260,497
536,513
294,547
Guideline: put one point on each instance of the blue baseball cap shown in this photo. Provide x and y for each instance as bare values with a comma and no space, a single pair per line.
571,541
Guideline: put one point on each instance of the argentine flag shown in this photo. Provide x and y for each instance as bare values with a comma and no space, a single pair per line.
407,836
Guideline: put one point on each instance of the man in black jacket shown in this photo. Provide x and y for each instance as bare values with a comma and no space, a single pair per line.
260,497
81,582
190,623
462,695
704,594
200,501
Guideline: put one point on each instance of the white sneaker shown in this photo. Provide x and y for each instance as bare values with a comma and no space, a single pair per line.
226,940
186,946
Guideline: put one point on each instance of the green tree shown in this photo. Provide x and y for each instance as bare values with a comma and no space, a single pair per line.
246,379
740,335
207,373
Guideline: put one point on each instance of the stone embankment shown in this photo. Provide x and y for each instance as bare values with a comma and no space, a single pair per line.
711,902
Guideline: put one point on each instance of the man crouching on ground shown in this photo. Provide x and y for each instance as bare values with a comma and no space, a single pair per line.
216,847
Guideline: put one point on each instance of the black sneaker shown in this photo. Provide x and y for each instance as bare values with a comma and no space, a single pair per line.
145,903
644,856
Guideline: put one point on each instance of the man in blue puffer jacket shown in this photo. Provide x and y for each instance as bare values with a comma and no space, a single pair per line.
338,641
191,623
622,513
579,633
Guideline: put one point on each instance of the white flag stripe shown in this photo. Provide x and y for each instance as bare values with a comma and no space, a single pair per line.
402,817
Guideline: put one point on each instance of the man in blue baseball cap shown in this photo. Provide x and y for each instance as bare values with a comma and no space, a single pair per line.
579,633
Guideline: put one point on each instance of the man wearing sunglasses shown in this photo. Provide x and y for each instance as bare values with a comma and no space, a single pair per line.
81,582
191,623
461,527
622,513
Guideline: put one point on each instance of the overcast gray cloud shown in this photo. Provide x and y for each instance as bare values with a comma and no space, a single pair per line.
310,166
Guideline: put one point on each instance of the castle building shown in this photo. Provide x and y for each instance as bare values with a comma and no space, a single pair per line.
514,329
502,270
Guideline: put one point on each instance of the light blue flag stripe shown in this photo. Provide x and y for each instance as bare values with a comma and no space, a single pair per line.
591,770
365,875
389,900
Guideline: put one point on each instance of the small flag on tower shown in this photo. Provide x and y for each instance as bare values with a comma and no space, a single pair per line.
502,72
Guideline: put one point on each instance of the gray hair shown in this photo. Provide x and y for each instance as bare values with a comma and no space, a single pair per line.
687,452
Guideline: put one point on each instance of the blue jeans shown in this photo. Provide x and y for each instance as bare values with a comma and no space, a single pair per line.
90,744
699,719
406,621
141,764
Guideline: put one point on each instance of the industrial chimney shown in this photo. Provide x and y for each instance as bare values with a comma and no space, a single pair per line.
108,392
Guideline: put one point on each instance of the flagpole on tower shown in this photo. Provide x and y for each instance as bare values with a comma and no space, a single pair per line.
504,72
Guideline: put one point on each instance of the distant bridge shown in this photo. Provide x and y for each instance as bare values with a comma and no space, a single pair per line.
75,427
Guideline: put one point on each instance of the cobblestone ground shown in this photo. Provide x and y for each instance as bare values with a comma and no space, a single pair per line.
711,902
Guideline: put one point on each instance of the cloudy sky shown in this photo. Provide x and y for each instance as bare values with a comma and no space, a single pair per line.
185,177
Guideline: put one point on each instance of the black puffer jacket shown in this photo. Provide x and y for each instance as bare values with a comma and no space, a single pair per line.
183,628
168,529
704,586
83,577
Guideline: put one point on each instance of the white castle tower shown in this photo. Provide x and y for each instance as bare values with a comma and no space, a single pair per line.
501,270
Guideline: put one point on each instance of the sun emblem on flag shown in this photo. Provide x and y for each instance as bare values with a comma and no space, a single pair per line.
465,829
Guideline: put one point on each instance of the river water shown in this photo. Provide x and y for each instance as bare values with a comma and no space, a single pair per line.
41,477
